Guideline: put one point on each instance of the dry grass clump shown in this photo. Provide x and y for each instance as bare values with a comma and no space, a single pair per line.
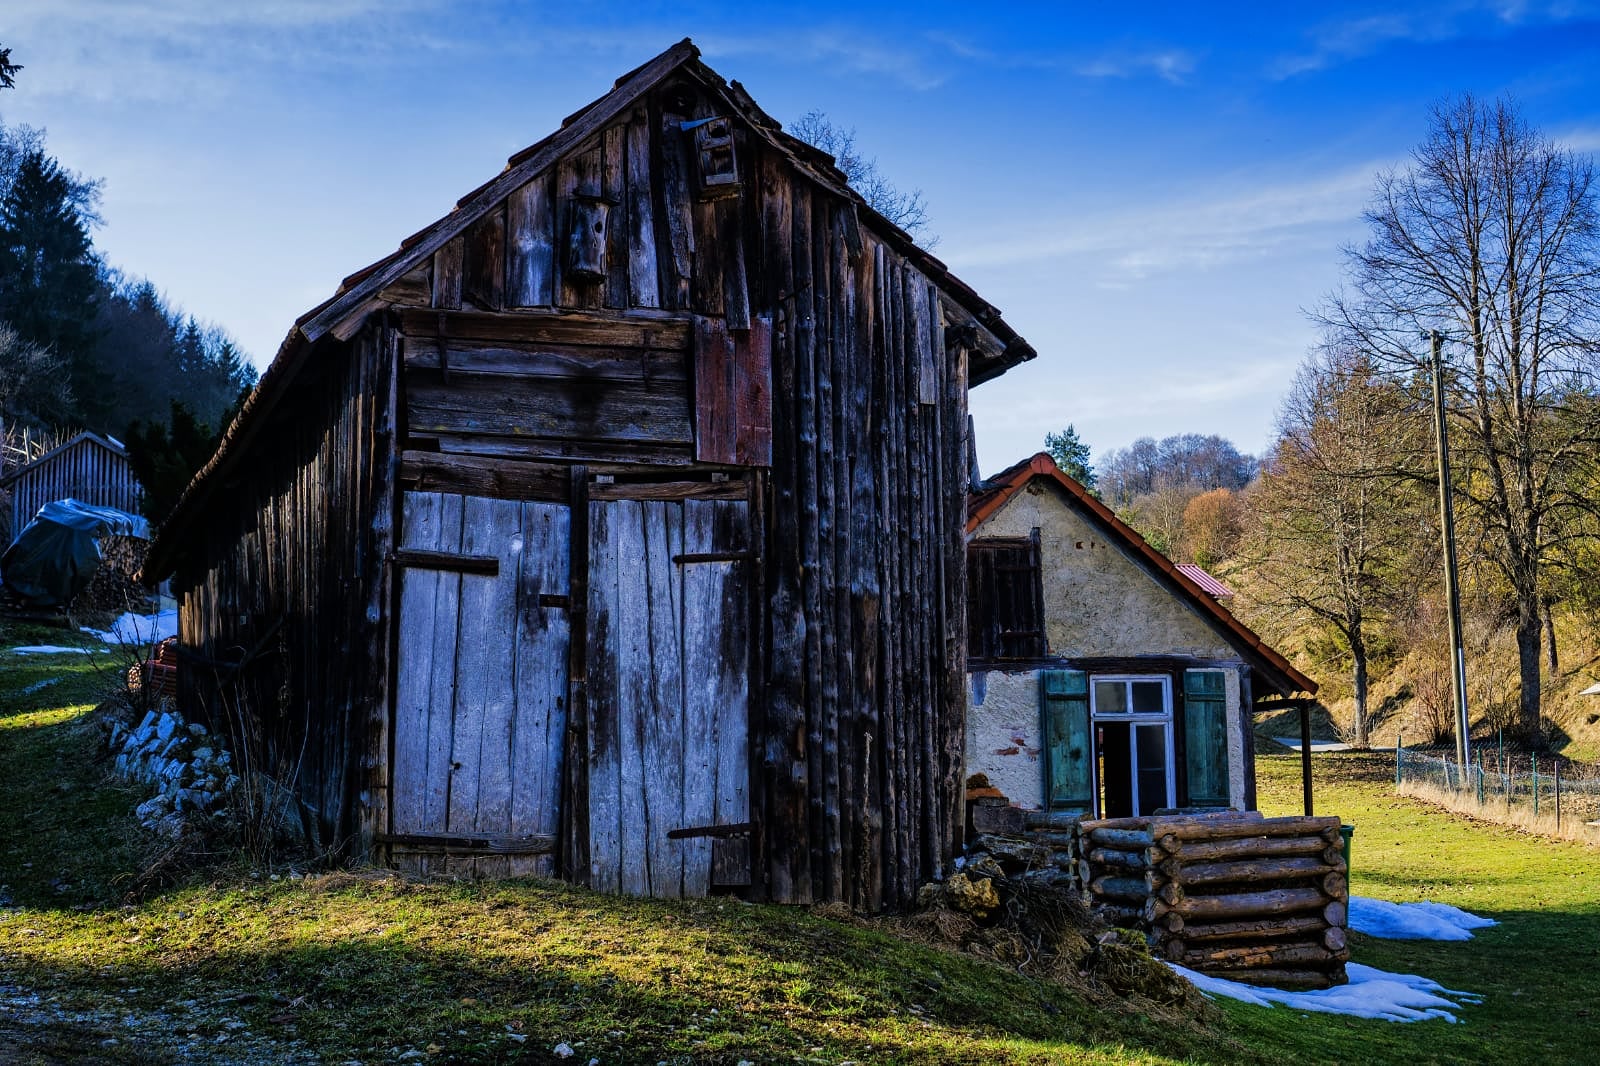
1493,809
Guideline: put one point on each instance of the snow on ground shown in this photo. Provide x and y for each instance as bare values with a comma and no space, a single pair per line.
50,649
1371,993
138,628
1412,921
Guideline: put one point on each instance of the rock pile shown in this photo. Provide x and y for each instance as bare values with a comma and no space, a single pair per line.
1017,903
191,769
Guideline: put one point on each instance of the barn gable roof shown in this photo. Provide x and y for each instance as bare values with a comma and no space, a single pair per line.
108,443
995,491
996,348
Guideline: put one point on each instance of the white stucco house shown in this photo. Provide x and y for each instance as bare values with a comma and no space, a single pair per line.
1102,679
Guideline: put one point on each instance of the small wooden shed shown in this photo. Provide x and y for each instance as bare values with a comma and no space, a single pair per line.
613,526
1105,680
89,468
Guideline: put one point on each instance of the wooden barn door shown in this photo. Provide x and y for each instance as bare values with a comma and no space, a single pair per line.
481,686
668,696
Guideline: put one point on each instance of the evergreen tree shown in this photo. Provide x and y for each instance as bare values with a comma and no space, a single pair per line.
49,285
8,70
1071,455
165,457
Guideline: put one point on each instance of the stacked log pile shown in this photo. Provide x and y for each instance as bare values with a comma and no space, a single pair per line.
1261,900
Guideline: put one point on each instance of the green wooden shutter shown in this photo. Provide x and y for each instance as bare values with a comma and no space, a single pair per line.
1205,735
1069,755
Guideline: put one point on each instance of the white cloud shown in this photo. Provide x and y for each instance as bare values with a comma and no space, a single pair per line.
1172,65
1580,139
1230,226
850,48
1334,42
194,51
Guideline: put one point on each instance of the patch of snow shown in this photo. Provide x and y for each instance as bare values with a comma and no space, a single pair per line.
50,649
138,629
39,685
1371,993
1413,921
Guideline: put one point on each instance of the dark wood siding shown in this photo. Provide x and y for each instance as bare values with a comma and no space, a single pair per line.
548,352
84,470
283,599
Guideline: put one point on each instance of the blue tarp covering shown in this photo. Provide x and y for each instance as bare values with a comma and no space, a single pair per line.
56,554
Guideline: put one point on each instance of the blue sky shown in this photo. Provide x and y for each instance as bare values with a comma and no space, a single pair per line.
1152,197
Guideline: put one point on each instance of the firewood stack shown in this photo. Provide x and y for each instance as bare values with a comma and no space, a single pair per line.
1261,900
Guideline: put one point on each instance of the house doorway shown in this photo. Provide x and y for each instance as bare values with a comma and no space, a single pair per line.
1132,720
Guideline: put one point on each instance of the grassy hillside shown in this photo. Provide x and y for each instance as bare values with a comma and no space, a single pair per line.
1411,696
234,964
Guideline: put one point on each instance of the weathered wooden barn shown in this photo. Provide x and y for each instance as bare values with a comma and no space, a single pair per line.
613,526
1105,680
89,468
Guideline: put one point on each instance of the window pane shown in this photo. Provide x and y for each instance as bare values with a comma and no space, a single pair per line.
1152,759
1111,697
1149,697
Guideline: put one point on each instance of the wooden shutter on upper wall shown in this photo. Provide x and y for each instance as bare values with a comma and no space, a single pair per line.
1005,599
733,392
1205,737
1069,753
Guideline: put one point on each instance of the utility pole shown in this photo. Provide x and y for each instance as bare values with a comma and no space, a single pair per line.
1447,525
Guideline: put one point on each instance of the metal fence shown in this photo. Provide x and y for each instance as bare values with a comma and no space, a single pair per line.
1518,788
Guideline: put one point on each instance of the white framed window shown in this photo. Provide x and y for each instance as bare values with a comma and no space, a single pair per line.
1131,715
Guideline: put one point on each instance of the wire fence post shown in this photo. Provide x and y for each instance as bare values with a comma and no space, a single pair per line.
1535,757
1558,797
1397,751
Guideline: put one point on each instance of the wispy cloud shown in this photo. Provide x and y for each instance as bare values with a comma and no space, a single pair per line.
1229,226
1339,41
909,62
1169,64
1580,139
195,50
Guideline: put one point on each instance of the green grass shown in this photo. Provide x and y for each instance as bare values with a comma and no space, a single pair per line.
366,966
1538,970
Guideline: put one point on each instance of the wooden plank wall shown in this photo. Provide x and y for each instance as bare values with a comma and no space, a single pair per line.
865,732
481,685
518,367
281,603
87,472
667,695
858,731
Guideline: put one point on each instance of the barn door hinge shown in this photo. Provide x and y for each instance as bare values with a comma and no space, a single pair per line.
416,559
733,829
712,557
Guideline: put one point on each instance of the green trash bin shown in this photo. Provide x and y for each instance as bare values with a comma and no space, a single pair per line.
1345,833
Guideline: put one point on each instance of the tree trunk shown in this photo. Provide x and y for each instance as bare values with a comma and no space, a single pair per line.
1358,655
1530,629
1550,638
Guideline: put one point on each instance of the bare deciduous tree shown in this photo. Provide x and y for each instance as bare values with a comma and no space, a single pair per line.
1332,525
907,210
1492,236
34,384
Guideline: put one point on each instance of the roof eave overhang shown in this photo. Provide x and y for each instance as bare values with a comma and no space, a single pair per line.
997,347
